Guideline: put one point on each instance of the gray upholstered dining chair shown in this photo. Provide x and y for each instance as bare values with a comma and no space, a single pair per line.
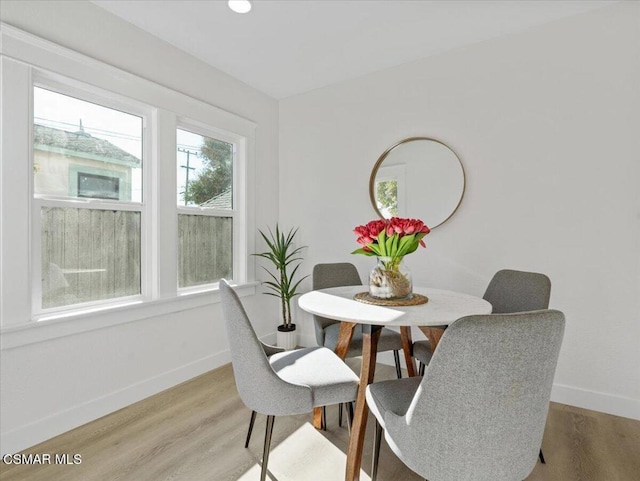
284,383
327,330
479,411
345,274
508,291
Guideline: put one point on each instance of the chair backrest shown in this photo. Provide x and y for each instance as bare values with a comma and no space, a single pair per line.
331,275
518,291
259,386
481,408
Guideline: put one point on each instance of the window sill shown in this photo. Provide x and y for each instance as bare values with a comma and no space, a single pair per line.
71,323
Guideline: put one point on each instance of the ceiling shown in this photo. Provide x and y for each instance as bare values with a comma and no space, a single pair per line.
287,47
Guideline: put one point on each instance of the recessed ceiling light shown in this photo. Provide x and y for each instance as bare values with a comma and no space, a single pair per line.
240,6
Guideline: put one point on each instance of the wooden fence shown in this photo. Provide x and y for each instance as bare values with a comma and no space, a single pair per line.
92,254
204,249
97,252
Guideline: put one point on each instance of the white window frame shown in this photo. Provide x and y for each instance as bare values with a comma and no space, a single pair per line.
25,57
69,87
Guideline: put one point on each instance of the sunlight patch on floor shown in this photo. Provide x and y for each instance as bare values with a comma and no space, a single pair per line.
305,455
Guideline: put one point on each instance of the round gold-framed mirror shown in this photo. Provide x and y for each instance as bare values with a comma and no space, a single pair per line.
418,177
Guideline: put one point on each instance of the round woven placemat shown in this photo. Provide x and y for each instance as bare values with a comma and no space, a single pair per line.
415,300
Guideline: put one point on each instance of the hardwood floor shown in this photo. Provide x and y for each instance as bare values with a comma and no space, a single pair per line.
195,432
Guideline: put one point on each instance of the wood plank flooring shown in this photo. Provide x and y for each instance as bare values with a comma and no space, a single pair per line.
195,432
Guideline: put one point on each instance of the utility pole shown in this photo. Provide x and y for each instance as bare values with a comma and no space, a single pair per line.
188,168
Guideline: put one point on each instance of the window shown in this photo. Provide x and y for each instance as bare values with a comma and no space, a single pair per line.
89,251
98,186
94,216
205,172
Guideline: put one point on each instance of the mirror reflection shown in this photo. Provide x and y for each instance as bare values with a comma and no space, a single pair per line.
418,177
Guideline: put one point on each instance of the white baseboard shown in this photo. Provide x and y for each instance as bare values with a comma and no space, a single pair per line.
38,431
596,401
34,433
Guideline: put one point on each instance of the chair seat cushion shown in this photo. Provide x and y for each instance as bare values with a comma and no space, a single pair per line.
395,396
422,351
330,379
389,340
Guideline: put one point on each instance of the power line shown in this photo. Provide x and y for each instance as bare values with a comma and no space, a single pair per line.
187,146
107,133
112,133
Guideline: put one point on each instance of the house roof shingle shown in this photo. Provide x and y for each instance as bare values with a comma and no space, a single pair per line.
220,201
73,143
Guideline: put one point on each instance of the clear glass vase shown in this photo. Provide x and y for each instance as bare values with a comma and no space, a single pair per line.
390,279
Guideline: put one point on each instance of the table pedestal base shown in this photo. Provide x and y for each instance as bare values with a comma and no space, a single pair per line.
407,348
370,337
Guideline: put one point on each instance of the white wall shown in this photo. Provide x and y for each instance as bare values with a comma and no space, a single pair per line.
546,123
52,386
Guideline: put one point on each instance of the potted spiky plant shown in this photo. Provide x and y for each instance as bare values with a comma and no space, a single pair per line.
285,259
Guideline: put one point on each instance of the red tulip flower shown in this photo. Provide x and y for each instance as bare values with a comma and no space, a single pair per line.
395,237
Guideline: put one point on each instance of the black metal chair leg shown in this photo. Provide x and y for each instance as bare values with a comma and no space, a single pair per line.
349,410
376,451
422,368
267,445
541,456
340,415
324,418
396,358
253,420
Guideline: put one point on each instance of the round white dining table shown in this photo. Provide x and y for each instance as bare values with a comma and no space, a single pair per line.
442,308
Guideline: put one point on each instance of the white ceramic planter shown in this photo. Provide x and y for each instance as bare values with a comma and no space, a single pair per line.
287,339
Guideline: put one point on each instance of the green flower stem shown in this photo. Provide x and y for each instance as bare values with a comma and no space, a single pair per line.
391,263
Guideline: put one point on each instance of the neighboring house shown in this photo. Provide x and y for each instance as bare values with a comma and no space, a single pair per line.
220,201
76,164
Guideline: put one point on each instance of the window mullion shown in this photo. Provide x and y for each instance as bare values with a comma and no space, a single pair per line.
91,204
164,222
15,191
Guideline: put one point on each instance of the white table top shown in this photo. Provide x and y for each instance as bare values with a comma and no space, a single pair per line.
443,307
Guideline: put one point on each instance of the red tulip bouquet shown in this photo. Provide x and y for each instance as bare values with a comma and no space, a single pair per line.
390,240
